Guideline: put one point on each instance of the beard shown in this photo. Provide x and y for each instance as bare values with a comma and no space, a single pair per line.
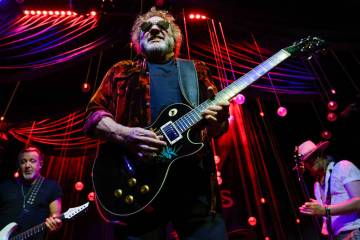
157,51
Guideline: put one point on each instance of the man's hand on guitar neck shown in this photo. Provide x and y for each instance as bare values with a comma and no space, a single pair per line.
53,223
139,141
216,116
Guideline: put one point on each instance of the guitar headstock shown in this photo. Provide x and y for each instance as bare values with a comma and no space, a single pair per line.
305,46
72,212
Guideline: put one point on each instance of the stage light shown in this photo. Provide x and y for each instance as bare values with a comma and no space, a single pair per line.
230,118
332,105
282,111
32,12
240,99
219,180
217,159
331,117
326,134
62,13
16,174
79,186
38,12
2,118
93,13
26,12
57,13
197,16
44,12
85,87
298,221
252,221
267,238
51,12
333,91
263,200
262,114
91,196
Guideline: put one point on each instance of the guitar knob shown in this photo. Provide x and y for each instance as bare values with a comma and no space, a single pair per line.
132,182
144,189
129,199
118,193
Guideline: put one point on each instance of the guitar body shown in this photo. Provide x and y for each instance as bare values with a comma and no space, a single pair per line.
7,231
125,185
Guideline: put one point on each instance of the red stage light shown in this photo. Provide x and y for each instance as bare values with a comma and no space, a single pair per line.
191,16
219,180
16,174
38,12
282,111
326,134
267,238
263,200
331,117
32,12
197,16
91,196
2,118
62,13
79,186
93,13
85,87
69,13
252,221
44,12
333,91
26,12
203,17
217,159
57,13
332,105
51,12
297,221
262,114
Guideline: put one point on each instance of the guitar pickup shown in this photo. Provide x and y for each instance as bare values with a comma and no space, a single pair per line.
170,132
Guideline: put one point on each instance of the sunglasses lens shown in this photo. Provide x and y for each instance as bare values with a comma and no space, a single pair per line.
146,26
163,25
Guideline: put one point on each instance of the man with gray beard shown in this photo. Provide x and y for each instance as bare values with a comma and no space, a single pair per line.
132,95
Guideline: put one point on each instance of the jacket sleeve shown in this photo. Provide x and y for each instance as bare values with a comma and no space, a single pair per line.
102,104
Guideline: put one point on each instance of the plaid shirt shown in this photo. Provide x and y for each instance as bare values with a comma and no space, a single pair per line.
124,94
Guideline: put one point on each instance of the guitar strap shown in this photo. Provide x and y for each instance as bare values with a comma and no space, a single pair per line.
188,81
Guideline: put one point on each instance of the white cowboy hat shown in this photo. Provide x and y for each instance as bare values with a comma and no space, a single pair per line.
309,149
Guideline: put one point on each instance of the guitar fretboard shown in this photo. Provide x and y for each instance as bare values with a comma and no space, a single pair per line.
29,233
194,116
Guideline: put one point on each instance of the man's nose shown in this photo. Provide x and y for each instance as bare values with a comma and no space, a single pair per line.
154,29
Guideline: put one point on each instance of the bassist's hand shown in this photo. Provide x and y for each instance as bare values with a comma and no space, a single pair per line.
142,142
53,223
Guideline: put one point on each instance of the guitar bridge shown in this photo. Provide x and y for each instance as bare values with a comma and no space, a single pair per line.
170,132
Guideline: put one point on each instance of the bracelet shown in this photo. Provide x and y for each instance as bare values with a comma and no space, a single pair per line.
327,211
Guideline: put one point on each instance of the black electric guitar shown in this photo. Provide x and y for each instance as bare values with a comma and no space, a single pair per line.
10,228
125,185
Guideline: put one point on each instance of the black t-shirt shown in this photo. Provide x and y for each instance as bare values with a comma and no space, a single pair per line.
12,200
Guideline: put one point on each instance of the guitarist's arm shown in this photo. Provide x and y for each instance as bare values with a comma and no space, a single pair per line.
54,222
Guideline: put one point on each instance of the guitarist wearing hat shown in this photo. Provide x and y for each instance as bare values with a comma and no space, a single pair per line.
336,189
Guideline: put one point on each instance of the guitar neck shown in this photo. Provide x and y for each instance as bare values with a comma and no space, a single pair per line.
31,231
194,116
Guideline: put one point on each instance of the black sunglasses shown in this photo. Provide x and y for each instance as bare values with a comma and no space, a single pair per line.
146,26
